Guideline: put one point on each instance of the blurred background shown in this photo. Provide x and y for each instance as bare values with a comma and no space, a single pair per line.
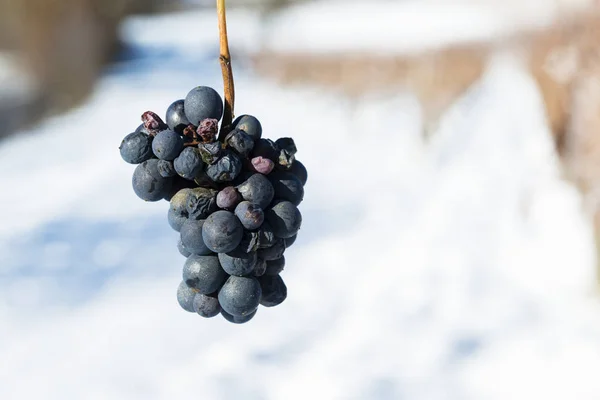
448,249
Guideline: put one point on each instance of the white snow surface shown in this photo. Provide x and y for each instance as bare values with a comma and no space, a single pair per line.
460,269
407,26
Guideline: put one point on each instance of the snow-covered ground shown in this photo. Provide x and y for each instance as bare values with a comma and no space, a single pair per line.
458,270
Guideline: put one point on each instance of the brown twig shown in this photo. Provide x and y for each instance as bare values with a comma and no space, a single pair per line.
225,59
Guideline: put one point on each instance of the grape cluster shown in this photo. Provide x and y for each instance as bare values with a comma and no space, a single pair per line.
233,197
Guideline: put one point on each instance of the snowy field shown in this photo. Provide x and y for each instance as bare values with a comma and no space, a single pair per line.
459,270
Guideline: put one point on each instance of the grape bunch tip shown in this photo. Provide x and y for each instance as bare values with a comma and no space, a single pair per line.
233,198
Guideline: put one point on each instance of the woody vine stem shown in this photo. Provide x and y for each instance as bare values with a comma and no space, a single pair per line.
225,59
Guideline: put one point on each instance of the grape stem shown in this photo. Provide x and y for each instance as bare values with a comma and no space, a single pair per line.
225,59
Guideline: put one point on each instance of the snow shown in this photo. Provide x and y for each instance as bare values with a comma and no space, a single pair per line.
391,26
458,269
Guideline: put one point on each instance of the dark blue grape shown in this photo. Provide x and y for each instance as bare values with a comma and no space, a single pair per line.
175,221
179,202
203,102
257,189
287,186
203,273
167,145
176,119
274,252
274,291
250,125
189,163
226,169
284,218
274,267
266,237
240,295
222,232
266,148
240,142
210,152
143,129
250,241
287,144
237,320
166,169
290,241
191,237
148,184
299,170
206,306
185,297
182,250
238,262
228,198
250,215
260,268
136,148
201,202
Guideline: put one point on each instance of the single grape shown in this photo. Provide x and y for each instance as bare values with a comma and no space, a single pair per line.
210,152
166,169
250,241
266,237
250,215
203,273
274,291
202,102
260,268
274,267
191,237
153,123
287,186
228,198
237,320
222,232
290,241
299,170
238,262
147,182
175,221
240,142
176,119
285,159
287,144
274,252
226,169
201,202
266,148
185,297
257,189
136,148
284,218
141,128
250,125
206,306
262,165
182,250
240,295
179,202
189,163
167,145
208,130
